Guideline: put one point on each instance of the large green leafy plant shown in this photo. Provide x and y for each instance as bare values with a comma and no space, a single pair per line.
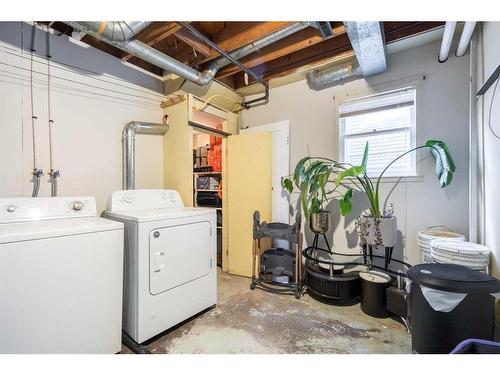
310,178
444,168
318,179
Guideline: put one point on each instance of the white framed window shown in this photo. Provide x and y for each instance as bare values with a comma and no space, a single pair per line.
387,121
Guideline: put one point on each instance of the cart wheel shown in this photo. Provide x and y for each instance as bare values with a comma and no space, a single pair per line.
252,285
298,294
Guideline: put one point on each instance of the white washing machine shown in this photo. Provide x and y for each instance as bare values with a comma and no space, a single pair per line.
61,277
170,259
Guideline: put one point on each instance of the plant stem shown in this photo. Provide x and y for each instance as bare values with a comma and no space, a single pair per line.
386,168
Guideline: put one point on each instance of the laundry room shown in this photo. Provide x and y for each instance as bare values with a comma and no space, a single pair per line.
193,182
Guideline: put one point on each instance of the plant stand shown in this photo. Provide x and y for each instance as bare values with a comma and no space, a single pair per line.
368,252
290,233
326,278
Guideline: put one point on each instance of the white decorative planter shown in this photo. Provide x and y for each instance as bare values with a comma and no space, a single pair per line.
388,230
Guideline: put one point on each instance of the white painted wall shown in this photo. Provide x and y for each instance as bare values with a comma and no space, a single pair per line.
490,197
442,114
88,119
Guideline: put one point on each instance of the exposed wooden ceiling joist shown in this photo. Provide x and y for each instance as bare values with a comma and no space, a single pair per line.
293,43
193,42
398,30
290,63
239,34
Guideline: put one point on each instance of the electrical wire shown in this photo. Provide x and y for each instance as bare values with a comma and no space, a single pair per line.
54,174
49,106
15,52
491,109
207,101
73,90
81,83
32,97
37,172
21,42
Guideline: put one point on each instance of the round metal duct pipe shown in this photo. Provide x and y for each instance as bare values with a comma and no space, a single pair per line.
128,147
118,31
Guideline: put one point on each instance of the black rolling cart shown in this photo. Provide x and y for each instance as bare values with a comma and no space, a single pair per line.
274,269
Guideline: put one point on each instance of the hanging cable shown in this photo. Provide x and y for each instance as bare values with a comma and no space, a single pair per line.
54,173
88,93
37,173
91,75
491,109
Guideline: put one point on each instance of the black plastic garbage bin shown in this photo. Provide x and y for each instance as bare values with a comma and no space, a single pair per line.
449,304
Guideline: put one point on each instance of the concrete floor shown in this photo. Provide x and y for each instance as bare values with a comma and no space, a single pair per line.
246,321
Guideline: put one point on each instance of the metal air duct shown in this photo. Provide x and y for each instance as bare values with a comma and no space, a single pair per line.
321,80
119,31
157,58
128,147
367,40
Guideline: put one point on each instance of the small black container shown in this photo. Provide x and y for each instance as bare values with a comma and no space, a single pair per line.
373,293
277,265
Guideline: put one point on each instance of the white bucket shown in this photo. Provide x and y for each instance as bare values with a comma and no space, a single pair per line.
425,237
468,254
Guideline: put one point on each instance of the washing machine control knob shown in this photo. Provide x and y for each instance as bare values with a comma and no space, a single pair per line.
11,208
128,198
77,205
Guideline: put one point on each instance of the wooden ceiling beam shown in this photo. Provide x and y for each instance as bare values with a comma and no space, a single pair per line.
398,30
239,34
290,63
193,42
228,81
293,43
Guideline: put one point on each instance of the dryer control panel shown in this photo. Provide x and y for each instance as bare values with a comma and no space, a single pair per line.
144,199
45,208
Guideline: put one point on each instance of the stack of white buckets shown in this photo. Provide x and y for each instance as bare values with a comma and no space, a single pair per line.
440,245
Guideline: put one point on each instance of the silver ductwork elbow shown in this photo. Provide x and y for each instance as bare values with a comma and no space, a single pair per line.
317,80
128,147
367,40
119,31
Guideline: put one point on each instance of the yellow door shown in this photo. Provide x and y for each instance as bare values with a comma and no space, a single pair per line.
249,188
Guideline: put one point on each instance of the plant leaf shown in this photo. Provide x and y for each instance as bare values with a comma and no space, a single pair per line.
315,205
365,156
345,203
287,184
350,172
298,175
444,164
304,201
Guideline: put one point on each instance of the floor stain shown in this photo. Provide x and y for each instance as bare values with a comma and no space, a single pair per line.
255,321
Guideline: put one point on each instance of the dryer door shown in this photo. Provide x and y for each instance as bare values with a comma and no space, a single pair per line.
178,255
